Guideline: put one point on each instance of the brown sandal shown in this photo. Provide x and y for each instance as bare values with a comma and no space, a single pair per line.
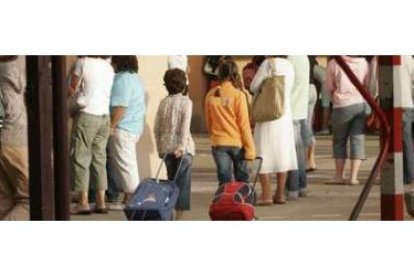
278,201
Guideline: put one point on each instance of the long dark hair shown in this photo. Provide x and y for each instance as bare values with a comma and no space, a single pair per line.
228,71
125,64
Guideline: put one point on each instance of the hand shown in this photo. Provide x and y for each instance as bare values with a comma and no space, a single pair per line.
178,153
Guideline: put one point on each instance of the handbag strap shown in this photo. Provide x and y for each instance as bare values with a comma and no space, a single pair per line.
273,67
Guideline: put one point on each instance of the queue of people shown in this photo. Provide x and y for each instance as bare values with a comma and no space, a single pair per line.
111,114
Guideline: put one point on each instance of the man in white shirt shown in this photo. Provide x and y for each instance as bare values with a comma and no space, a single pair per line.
296,183
179,62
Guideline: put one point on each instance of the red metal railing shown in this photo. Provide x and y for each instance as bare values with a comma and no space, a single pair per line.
385,134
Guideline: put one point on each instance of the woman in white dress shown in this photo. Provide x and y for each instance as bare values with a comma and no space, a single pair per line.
274,140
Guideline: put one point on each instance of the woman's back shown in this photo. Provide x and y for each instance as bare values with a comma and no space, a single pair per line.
344,92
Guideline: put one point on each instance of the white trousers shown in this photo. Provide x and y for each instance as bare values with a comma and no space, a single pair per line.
122,159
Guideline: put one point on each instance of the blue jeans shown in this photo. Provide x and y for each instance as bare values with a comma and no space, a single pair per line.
348,123
408,149
297,179
227,157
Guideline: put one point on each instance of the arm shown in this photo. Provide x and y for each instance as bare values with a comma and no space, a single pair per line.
117,114
75,76
373,77
242,118
207,113
120,97
367,78
185,129
157,129
74,82
330,77
188,69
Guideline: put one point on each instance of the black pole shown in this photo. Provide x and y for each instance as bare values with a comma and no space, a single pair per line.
61,144
39,107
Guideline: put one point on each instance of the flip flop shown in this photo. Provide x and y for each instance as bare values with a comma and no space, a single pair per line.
311,170
336,182
352,183
79,211
262,202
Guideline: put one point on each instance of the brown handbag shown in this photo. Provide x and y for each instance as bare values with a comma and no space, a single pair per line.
269,103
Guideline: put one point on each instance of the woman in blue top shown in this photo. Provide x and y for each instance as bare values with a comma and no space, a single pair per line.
127,123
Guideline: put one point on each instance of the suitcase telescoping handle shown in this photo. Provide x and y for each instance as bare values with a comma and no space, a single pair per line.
258,161
157,177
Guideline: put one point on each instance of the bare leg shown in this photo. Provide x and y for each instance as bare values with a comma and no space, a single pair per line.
127,197
355,165
100,199
340,167
83,200
266,190
311,156
179,214
281,183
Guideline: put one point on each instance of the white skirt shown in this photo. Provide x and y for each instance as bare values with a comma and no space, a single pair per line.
275,143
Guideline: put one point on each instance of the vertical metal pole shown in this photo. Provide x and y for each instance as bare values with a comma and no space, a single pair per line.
61,143
392,186
40,138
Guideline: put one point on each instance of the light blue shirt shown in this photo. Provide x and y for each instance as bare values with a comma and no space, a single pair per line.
128,91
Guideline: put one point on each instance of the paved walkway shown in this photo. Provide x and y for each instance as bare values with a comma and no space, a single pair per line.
324,202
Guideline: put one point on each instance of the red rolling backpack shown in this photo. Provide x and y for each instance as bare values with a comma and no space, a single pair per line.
235,200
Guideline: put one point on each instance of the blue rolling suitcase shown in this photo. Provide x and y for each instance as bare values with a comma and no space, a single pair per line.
154,199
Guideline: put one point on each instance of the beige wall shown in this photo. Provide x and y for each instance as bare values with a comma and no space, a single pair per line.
151,70
199,86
